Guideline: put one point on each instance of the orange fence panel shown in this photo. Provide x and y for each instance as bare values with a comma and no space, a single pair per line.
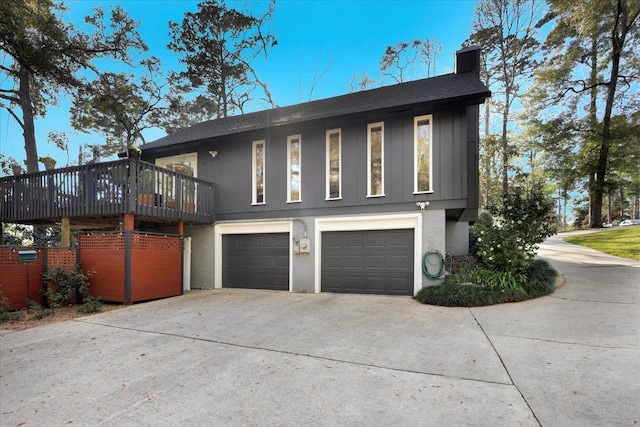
104,256
20,281
156,266
154,261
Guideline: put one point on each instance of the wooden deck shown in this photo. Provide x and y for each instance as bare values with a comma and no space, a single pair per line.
97,195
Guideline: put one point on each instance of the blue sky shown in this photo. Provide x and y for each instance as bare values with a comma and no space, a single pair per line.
342,37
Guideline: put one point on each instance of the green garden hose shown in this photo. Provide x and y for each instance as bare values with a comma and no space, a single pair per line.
425,262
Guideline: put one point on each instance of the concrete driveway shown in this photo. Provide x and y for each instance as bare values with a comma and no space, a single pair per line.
241,357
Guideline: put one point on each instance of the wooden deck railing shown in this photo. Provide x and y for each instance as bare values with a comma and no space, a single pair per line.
104,190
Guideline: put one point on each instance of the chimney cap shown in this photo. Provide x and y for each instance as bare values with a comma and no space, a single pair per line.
468,60
469,49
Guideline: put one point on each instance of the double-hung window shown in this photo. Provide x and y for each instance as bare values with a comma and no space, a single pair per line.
258,172
423,149
294,178
375,159
334,164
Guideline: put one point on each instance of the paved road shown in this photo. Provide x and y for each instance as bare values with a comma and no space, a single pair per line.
239,357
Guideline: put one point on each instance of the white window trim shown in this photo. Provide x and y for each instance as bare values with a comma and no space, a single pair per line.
369,127
328,165
254,183
254,227
371,222
289,139
415,154
179,158
160,161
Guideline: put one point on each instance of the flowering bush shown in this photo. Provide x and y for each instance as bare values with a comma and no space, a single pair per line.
65,284
510,240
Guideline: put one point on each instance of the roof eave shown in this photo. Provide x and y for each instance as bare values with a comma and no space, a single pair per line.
467,100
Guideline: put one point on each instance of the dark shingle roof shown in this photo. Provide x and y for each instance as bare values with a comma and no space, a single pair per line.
449,87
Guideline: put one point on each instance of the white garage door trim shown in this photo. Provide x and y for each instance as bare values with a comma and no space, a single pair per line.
260,227
374,222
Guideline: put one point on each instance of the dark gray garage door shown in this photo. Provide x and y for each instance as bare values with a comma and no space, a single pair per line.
368,262
256,261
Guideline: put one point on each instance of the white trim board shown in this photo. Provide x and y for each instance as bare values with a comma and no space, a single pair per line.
257,227
371,222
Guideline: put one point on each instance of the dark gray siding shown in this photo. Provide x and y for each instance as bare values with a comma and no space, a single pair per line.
231,169
473,156
450,173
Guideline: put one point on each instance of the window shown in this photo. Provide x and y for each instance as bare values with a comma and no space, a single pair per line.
334,165
185,163
258,172
423,131
294,183
166,184
375,159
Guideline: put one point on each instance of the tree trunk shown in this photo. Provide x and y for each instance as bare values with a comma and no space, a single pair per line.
505,147
592,197
593,118
24,93
487,175
564,213
617,42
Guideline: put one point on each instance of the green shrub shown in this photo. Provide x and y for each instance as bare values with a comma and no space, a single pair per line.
484,221
5,314
541,278
461,291
467,295
509,239
65,284
489,278
37,311
90,305
10,316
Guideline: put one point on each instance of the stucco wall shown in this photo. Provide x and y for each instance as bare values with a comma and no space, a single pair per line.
431,235
433,238
457,235
202,247
302,271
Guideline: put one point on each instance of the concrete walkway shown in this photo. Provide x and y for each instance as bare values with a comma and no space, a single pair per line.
240,357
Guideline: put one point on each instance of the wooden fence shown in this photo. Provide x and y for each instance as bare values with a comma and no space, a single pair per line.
126,267
21,281
131,266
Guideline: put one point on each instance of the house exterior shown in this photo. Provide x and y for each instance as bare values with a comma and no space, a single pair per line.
345,194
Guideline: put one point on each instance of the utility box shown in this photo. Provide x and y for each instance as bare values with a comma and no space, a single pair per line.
305,246
27,256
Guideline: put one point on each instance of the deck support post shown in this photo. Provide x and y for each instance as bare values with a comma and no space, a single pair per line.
129,222
66,232
181,227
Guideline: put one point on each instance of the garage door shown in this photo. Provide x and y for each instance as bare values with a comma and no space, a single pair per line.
368,262
256,261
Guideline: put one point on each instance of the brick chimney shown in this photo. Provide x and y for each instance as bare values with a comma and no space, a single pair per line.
468,60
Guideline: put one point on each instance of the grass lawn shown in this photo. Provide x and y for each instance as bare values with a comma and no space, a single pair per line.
623,242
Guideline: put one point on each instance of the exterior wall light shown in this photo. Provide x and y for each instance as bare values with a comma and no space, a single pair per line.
422,205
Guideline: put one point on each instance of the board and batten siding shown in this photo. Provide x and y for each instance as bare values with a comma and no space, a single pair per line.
450,156
231,170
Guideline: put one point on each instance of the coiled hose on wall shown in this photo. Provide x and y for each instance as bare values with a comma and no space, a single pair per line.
426,262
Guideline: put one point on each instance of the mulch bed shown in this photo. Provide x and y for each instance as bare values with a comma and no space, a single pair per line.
60,314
